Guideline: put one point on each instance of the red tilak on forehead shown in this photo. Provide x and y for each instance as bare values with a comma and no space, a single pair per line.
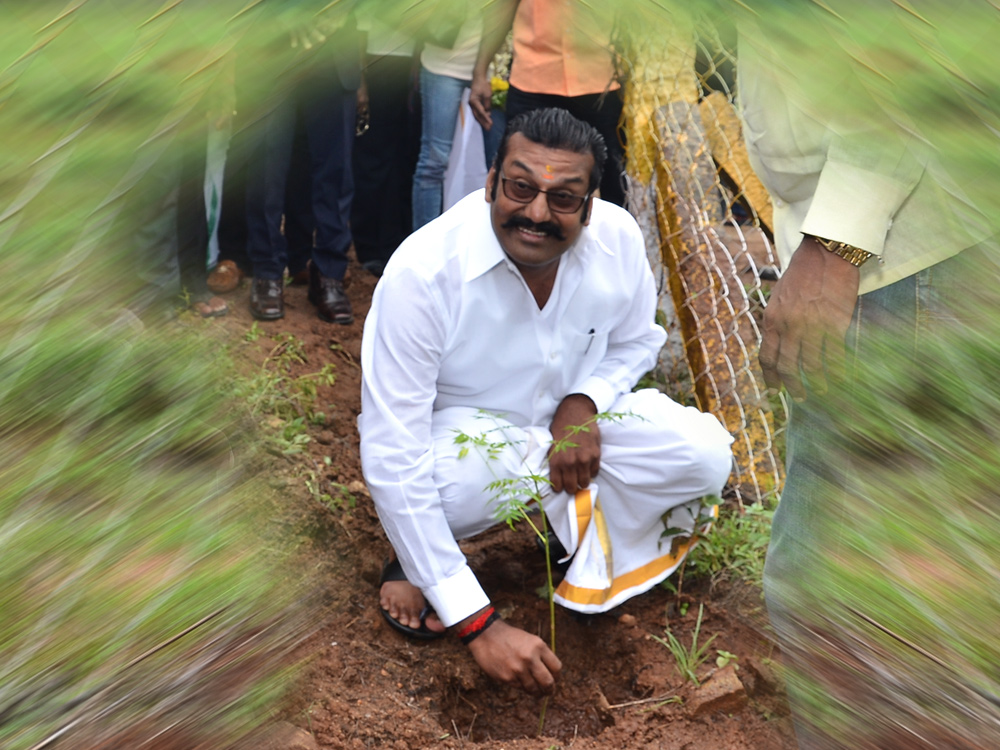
548,172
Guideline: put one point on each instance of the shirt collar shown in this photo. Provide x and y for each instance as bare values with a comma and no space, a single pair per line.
483,250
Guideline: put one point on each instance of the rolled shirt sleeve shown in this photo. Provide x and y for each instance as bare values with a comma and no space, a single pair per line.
864,181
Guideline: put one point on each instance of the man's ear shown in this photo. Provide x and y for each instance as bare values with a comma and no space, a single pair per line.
490,177
587,208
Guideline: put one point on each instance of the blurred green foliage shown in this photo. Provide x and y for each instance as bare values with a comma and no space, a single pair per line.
133,595
898,613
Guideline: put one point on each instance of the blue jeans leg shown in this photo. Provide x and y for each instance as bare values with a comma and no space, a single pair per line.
493,136
807,523
440,98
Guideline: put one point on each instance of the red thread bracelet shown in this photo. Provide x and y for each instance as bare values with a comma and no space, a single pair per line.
475,628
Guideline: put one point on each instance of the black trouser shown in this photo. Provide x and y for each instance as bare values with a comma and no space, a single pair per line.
384,160
318,101
603,111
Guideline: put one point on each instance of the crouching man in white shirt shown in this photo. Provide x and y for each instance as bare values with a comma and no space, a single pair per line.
522,312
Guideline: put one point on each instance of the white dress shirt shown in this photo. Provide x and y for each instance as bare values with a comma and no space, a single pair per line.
453,323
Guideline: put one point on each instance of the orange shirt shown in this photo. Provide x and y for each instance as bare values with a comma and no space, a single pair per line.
561,47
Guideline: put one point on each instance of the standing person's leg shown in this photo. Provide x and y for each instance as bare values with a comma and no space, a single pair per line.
234,263
269,156
383,163
329,112
441,97
801,533
300,224
810,519
604,112
493,136
152,206
192,223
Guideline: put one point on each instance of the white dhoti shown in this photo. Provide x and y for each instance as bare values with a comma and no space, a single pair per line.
657,462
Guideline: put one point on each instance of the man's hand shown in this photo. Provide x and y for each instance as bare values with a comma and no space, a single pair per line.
509,654
575,456
806,320
481,99
362,95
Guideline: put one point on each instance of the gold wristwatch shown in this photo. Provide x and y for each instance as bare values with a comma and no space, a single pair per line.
853,255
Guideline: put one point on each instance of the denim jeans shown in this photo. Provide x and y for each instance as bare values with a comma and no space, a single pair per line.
493,136
807,522
440,98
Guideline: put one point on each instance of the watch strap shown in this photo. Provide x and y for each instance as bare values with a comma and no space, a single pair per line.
853,255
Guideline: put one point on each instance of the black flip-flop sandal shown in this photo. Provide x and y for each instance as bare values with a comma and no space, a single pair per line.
393,571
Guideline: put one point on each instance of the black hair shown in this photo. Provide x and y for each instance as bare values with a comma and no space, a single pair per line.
555,127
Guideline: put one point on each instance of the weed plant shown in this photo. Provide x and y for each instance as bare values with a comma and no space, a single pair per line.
687,659
285,404
735,546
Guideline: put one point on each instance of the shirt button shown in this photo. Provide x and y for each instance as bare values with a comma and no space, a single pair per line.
554,355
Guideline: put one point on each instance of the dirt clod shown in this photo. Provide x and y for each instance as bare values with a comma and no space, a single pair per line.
722,692
759,678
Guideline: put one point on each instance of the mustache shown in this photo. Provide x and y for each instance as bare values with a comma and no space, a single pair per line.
546,227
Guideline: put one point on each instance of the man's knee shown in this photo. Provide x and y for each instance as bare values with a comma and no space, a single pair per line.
713,454
664,442
473,448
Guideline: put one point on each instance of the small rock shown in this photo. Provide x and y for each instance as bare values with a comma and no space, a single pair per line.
722,692
627,620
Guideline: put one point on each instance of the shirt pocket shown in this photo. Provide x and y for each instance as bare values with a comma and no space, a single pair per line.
584,350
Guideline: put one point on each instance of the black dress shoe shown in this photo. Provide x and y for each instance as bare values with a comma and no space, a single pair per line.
330,298
267,301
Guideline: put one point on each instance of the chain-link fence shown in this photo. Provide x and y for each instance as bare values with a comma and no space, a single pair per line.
707,220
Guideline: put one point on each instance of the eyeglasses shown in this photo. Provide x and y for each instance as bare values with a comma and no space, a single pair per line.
559,201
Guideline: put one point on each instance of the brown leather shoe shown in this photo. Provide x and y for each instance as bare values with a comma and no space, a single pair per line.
225,277
330,298
267,301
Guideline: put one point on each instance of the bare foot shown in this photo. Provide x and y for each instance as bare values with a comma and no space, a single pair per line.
405,603
211,307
